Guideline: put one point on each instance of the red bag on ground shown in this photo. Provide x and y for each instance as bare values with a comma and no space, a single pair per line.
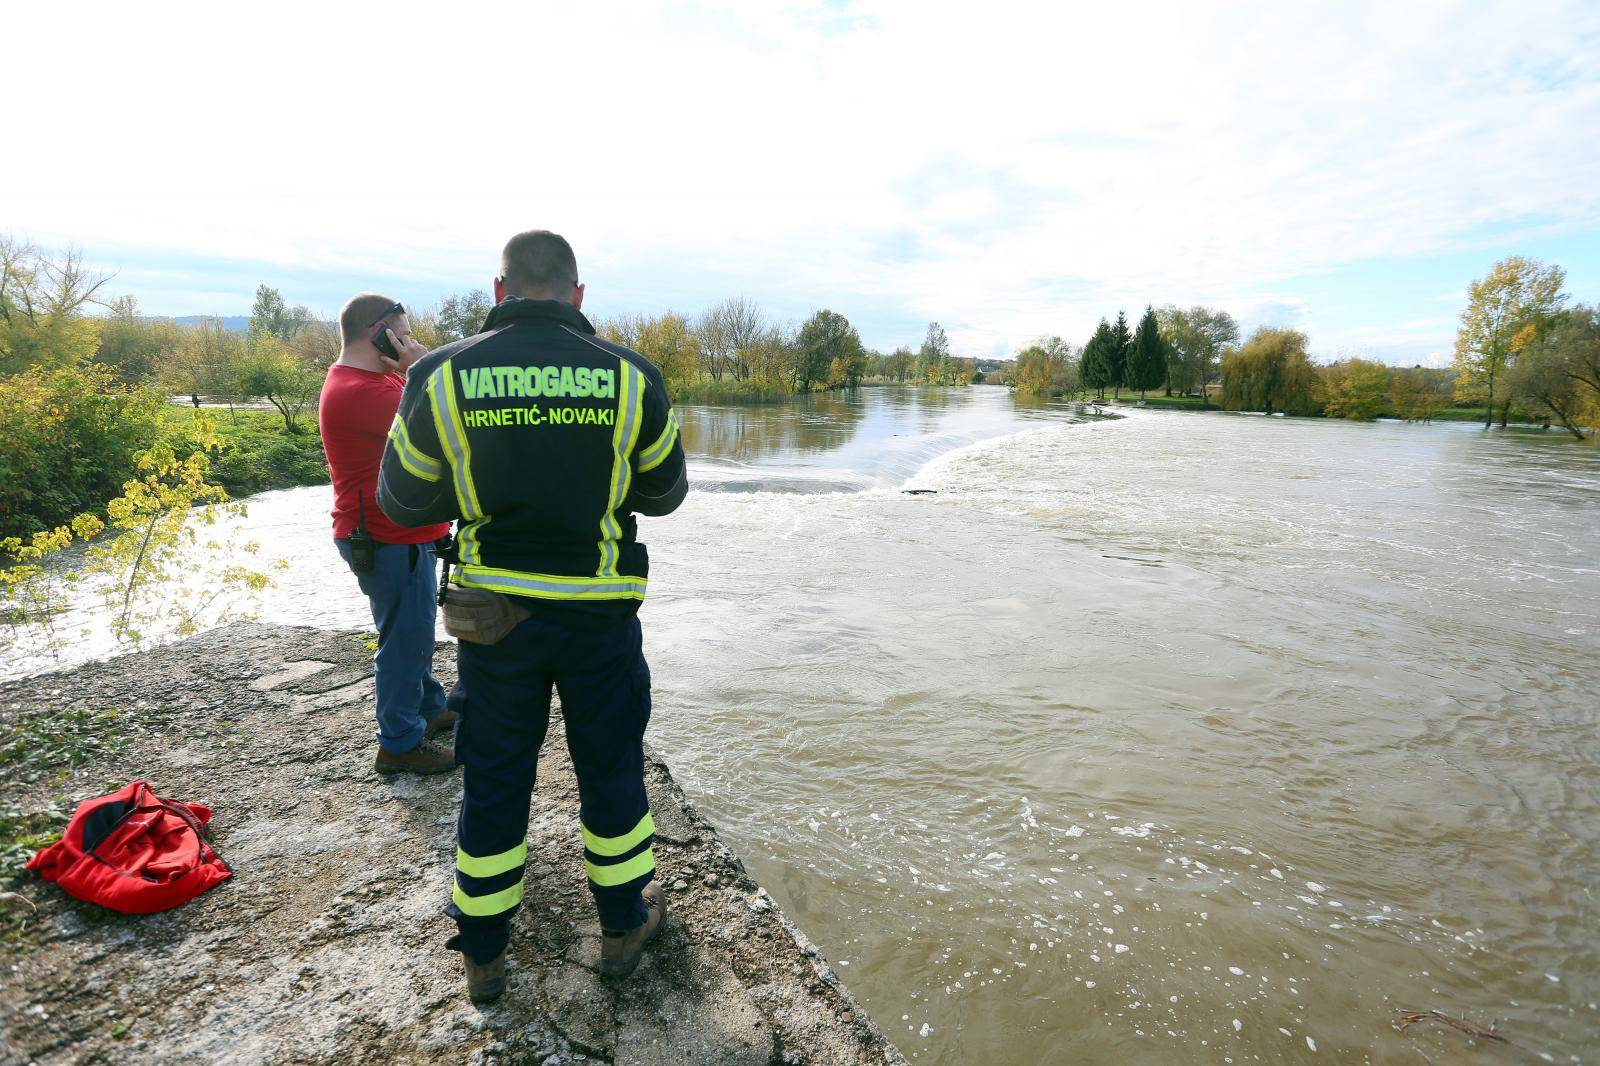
133,852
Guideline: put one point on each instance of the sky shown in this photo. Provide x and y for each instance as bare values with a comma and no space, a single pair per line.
1007,169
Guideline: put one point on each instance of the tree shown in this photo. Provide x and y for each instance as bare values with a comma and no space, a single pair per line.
933,355
289,384
1515,295
825,339
1045,368
1117,349
668,341
316,344
270,316
71,435
131,345
42,299
462,316
1147,361
1271,373
1558,375
899,365
772,358
1355,389
1196,338
1094,367
1418,394
206,361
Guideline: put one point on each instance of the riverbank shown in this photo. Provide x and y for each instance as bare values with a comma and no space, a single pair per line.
257,453
327,944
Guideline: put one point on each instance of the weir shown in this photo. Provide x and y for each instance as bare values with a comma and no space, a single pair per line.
327,944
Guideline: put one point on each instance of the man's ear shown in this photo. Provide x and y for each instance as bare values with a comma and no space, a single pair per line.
499,290
577,297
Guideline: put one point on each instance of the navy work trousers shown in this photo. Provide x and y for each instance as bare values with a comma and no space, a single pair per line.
604,684
402,589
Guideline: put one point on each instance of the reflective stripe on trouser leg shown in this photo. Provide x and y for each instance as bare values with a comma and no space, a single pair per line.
497,743
490,885
605,700
619,862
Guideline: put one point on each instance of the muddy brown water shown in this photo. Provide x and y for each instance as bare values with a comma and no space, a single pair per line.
1173,738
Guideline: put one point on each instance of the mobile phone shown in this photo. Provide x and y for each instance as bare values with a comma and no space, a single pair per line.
380,341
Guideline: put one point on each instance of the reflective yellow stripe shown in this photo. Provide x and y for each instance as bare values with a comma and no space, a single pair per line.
622,872
624,436
494,903
657,453
453,437
551,586
618,845
490,865
418,462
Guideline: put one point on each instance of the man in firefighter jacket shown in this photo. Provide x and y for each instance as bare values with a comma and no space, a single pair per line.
545,441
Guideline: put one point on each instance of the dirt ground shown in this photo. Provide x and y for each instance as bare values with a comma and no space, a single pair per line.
327,944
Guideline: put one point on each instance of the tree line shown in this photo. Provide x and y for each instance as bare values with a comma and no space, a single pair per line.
86,379
1519,348
734,350
1172,348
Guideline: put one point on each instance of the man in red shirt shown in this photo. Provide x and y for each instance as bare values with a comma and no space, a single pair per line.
399,574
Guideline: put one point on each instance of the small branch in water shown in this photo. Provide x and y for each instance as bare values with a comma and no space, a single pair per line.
1413,1017
133,573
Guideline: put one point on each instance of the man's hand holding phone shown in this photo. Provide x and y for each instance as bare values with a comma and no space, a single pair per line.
406,351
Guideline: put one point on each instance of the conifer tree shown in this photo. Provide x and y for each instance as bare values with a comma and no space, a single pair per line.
1147,360
1095,366
1118,348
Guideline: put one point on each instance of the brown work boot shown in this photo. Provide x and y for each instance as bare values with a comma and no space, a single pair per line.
428,757
442,722
486,982
621,949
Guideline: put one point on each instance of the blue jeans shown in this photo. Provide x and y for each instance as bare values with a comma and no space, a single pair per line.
401,589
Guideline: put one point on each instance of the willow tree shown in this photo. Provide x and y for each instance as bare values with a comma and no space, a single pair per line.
1516,295
1271,373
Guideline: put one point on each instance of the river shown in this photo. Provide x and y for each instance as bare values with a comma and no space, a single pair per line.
1169,738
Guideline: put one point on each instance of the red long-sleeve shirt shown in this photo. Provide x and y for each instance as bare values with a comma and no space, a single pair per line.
355,413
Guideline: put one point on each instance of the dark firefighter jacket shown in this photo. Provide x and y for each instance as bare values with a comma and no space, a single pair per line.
544,441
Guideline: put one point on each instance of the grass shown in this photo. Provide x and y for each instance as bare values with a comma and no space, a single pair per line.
1154,399
257,453
47,746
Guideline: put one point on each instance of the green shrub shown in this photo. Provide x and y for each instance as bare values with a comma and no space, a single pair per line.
71,434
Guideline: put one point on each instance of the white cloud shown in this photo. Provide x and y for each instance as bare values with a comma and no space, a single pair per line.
1010,169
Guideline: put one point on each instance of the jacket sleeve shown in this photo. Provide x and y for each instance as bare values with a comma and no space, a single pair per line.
660,472
415,483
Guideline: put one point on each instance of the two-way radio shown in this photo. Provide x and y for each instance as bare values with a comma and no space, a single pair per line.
362,547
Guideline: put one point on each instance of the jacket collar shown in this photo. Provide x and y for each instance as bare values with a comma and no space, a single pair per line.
518,309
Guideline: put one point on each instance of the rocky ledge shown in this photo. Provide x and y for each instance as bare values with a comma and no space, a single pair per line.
327,944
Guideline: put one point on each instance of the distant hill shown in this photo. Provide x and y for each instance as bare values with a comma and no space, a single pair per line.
236,323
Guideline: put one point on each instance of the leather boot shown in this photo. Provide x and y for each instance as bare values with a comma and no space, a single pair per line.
428,757
442,722
486,982
621,949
